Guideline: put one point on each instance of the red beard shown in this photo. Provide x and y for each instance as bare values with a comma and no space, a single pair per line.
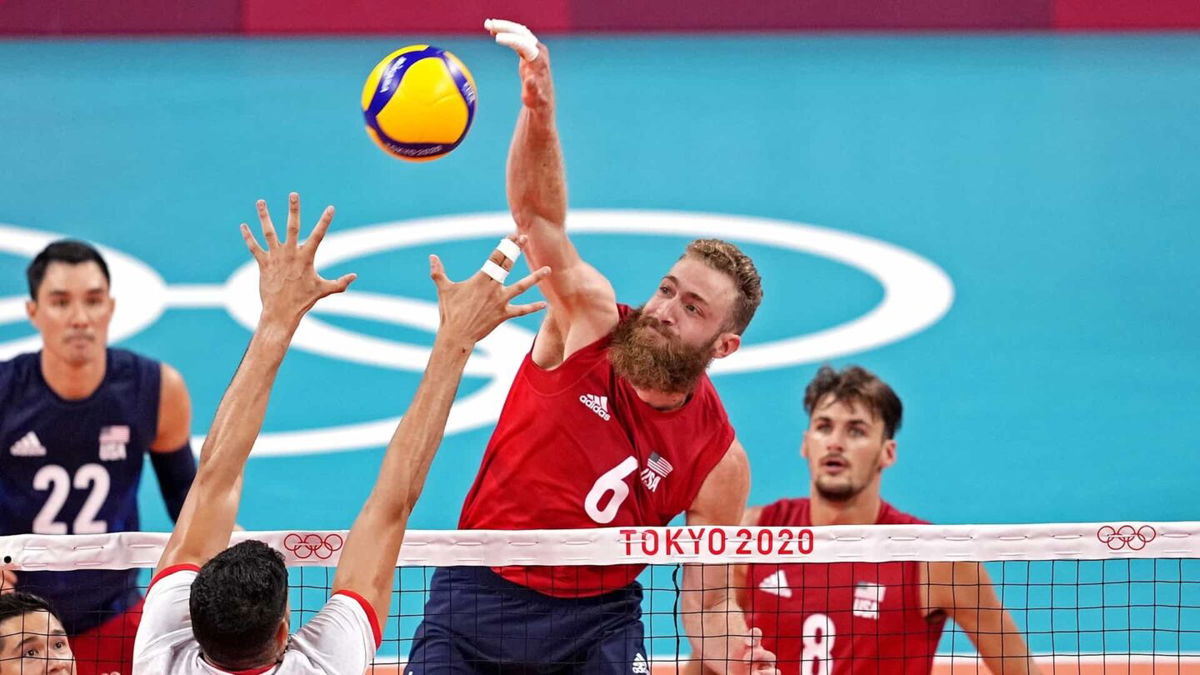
646,356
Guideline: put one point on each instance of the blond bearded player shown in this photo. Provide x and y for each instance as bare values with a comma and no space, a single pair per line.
610,421
212,610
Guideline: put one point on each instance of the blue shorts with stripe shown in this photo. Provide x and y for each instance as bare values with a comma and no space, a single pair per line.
478,622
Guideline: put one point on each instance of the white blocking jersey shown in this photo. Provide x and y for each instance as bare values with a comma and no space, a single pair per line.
341,639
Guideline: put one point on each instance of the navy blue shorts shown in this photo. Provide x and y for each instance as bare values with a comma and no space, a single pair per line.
478,622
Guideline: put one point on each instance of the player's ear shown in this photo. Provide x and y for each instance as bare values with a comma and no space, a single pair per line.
31,309
889,453
726,344
281,634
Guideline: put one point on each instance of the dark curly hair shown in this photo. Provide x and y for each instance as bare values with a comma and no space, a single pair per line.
855,383
238,599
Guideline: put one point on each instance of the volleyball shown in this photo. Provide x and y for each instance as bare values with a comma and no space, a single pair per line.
418,103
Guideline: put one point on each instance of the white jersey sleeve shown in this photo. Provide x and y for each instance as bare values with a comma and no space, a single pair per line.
340,640
166,624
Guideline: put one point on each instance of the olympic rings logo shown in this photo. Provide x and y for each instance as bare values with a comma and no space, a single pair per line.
312,545
1117,538
916,294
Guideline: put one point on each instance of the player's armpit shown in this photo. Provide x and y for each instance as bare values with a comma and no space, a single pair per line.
174,412
964,591
583,300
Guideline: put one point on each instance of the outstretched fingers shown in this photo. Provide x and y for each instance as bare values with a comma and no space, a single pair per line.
268,228
338,285
527,283
318,233
515,36
437,272
293,220
252,243
514,311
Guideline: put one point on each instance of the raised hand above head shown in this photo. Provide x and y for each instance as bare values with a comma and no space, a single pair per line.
288,282
537,86
472,309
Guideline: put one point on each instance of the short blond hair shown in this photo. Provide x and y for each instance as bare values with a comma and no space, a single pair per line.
725,257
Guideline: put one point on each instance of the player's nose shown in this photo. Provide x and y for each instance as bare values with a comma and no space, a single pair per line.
661,312
78,315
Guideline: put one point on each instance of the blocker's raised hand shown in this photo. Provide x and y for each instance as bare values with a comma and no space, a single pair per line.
473,308
288,283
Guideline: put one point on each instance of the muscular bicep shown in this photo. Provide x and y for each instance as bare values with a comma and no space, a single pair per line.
721,501
174,412
722,497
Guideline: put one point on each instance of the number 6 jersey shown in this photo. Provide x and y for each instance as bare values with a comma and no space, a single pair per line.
575,447
72,467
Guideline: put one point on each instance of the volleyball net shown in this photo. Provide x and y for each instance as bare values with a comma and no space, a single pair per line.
1084,598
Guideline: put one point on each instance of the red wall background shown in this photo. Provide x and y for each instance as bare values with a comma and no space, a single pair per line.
91,17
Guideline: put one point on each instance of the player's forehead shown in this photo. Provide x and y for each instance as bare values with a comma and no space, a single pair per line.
692,275
36,625
830,407
64,277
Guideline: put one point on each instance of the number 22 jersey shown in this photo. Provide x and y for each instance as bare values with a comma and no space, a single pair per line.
575,447
73,467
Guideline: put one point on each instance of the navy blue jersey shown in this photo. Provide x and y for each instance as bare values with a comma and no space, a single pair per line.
73,467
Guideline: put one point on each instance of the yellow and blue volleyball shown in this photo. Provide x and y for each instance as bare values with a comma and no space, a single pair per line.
418,103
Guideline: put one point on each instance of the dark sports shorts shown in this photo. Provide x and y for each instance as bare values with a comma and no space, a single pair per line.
478,622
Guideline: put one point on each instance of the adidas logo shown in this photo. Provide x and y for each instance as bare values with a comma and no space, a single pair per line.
28,446
776,584
640,667
598,405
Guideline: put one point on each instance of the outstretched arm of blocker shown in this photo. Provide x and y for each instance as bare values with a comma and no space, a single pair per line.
288,286
469,311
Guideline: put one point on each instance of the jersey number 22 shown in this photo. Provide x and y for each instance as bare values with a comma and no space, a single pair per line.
55,478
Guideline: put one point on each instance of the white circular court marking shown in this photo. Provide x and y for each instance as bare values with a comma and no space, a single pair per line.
917,293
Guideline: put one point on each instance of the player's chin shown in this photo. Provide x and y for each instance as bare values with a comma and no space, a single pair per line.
835,488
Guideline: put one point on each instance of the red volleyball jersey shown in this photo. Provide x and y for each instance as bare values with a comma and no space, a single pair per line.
841,618
576,448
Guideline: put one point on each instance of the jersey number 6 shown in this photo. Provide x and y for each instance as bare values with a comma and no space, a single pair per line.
612,481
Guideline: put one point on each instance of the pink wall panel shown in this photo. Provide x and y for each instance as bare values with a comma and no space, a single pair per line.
81,17
809,14
397,16
1126,14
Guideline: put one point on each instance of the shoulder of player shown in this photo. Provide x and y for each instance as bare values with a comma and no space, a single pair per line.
785,512
16,374
20,363
890,515
171,380
751,515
